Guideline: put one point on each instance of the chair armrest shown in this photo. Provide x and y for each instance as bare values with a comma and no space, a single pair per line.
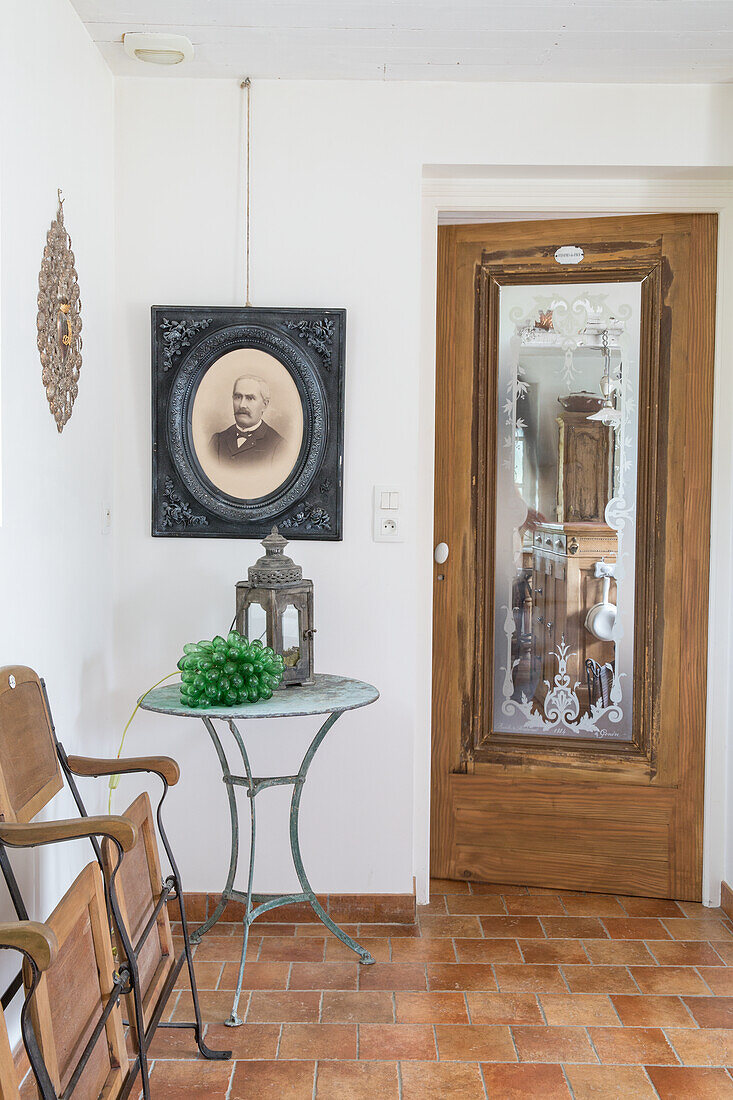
51,832
163,766
34,939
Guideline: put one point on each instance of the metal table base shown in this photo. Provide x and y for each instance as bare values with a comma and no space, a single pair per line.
265,902
330,695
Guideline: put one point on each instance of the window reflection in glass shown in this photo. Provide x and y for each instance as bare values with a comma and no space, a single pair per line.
565,516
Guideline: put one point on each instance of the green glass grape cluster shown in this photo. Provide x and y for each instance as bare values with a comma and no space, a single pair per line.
228,671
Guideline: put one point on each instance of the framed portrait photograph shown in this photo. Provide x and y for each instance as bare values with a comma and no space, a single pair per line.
248,415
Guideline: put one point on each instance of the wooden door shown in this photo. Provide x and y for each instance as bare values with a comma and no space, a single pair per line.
580,812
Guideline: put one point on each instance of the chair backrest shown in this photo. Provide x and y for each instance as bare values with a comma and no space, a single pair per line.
8,1079
30,773
73,992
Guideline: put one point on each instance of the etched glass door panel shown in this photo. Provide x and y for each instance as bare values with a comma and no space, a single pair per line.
565,515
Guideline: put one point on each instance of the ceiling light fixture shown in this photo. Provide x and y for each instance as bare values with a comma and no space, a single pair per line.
158,49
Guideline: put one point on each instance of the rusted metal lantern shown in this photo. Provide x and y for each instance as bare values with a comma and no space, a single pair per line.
275,605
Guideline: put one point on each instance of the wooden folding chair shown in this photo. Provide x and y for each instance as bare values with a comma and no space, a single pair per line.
75,1037
33,765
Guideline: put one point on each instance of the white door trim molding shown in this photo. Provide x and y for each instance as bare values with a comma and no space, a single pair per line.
600,191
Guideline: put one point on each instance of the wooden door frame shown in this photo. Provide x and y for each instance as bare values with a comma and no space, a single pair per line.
503,198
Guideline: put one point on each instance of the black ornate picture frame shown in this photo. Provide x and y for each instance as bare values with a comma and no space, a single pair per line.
223,468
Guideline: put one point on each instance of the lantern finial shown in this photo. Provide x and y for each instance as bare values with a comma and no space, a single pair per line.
275,568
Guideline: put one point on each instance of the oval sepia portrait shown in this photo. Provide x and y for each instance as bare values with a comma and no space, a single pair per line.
247,423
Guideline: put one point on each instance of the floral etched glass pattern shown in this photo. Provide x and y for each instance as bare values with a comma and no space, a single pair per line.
565,514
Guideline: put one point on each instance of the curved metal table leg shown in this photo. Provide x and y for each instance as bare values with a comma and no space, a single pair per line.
364,956
234,1020
197,934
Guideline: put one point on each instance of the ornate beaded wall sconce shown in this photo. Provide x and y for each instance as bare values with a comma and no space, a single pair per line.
59,321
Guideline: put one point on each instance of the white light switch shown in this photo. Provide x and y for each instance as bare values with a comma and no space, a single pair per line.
387,520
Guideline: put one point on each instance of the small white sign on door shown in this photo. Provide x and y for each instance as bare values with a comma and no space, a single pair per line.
569,254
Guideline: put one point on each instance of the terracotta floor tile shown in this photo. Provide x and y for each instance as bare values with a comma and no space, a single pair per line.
257,975
488,904
440,1081
393,976
651,907
207,975
463,976
450,926
266,929
599,979
668,979
357,1008
646,1011
620,952
221,948
173,1043
400,1041
534,905
487,951
519,1082
610,1083
703,912
497,888
386,931
574,928
287,949
580,1009
719,979
685,953
683,1083
199,1080
216,1006
320,932
478,1042
504,1008
593,905
632,1046
251,1041
423,950
724,949
553,1044
318,1041
336,951
695,929
335,975
437,904
529,977
553,951
273,1081
711,1011
301,1007
431,1008
511,927
703,1046
447,886
357,1081
635,928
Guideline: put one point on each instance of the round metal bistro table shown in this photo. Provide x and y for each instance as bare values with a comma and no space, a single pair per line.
329,695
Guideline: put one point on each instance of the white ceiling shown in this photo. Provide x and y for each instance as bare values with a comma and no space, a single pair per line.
650,41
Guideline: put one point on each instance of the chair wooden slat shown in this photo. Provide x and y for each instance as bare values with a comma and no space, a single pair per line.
72,993
30,774
138,889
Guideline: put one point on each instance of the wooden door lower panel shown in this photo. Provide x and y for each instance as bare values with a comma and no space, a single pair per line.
583,837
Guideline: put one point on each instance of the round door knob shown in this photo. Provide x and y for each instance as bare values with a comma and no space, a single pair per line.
441,552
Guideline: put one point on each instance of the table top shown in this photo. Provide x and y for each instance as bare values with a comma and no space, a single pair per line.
329,694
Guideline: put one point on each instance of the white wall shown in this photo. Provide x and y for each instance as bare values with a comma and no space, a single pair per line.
336,221
55,566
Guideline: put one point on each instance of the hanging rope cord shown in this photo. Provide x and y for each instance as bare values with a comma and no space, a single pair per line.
246,87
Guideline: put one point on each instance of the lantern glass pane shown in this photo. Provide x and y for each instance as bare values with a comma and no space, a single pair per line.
291,636
256,623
